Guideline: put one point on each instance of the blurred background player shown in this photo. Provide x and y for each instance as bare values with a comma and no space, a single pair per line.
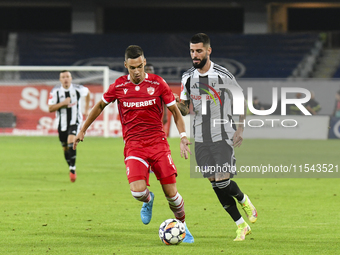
292,109
256,104
214,145
312,105
65,100
140,98
336,111
148,68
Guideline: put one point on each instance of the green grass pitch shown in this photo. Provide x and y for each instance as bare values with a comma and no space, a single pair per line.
42,212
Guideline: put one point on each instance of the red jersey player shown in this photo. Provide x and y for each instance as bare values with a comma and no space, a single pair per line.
140,97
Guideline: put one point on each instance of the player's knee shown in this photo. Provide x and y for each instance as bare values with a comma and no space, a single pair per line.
137,184
64,146
222,183
171,193
170,190
211,179
140,195
70,146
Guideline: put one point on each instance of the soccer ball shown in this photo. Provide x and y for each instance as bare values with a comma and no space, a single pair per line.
171,231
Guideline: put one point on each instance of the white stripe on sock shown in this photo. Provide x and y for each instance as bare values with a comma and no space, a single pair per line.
239,221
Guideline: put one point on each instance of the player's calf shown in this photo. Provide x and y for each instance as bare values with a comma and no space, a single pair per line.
176,204
147,197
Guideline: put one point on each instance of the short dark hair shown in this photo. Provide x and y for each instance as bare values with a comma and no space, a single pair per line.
201,38
133,51
64,71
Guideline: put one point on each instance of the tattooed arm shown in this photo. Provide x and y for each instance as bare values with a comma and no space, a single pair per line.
183,105
238,136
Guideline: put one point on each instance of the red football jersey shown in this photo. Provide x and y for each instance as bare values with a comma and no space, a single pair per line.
140,105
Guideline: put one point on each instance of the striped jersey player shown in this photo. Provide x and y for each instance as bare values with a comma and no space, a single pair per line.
70,115
208,86
196,87
65,100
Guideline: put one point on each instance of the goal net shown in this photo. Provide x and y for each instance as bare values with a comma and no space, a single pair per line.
24,92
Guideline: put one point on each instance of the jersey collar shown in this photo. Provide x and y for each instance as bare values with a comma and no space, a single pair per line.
63,89
146,77
211,69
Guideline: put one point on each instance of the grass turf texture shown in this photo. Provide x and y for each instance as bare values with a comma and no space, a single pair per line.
42,212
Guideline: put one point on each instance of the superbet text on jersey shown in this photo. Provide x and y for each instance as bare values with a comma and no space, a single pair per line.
140,105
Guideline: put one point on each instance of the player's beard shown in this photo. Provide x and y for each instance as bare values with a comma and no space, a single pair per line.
200,64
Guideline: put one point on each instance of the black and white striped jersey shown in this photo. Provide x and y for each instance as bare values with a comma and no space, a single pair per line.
212,100
71,115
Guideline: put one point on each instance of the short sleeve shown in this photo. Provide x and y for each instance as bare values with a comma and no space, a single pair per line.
110,95
52,99
167,95
83,90
235,83
184,92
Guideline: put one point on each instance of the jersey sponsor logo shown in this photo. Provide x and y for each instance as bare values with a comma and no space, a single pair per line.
125,91
150,90
72,104
51,96
208,97
212,96
139,104
137,88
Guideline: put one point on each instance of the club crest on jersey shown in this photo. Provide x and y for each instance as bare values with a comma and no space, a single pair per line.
151,90
137,88
125,91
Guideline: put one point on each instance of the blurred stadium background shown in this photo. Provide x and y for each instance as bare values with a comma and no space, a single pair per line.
264,44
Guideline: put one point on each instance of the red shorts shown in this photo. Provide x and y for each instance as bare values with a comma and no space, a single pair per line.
139,156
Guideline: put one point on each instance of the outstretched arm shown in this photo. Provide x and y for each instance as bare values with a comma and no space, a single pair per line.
165,115
181,129
87,105
95,112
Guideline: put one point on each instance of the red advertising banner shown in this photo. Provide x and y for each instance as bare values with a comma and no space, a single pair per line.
29,110
24,111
